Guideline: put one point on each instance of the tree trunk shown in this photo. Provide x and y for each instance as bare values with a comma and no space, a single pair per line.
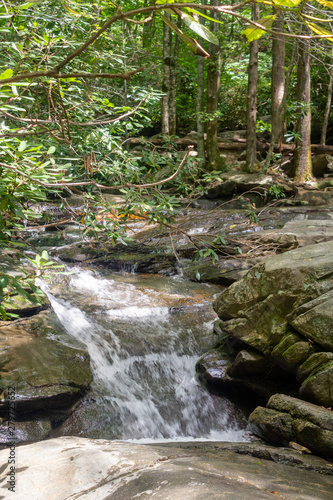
200,125
214,161
277,88
328,106
303,165
173,84
166,84
251,108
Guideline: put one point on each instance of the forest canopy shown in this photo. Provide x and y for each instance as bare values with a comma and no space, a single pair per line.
82,83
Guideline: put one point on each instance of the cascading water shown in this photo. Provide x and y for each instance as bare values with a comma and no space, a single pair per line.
143,344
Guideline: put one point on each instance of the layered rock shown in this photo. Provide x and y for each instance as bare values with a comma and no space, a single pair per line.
288,419
277,325
41,373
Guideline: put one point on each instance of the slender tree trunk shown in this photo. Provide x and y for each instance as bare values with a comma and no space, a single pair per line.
328,106
166,84
251,108
200,125
199,102
277,88
303,165
173,84
214,161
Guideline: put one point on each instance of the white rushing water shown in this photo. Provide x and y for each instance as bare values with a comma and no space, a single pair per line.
143,359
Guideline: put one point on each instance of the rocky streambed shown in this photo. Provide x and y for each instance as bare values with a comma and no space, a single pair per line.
270,351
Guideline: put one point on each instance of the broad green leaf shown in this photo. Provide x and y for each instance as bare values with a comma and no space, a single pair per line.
22,146
27,5
4,281
6,74
199,29
287,3
326,3
203,15
51,150
193,45
253,33
320,31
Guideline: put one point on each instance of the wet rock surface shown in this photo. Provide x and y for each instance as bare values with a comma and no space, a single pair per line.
74,467
130,258
47,373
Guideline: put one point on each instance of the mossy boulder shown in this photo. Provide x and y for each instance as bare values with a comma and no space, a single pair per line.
282,308
288,419
46,374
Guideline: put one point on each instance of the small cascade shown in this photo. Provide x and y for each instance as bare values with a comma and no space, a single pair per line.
143,359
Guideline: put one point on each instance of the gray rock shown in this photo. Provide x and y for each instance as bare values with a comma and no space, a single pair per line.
319,165
287,419
274,426
248,363
46,374
85,468
312,363
302,410
317,387
281,308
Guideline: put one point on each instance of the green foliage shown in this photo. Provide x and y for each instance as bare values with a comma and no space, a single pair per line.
277,191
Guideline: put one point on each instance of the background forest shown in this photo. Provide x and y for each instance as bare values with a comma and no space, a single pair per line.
87,86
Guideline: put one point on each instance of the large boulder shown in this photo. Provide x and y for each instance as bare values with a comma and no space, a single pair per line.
289,419
42,371
282,309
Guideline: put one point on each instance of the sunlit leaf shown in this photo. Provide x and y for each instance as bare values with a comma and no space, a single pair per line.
22,146
287,3
193,45
320,31
326,3
51,150
27,5
6,74
253,33
199,29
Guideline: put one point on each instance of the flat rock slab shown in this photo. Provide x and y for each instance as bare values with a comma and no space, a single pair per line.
69,467
297,233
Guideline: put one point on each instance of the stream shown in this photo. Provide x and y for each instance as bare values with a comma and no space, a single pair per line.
144,335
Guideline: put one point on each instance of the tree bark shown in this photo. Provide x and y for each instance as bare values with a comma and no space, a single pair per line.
214,161
199,105
251,108
278,88
328,106
173,83
165,118
303,164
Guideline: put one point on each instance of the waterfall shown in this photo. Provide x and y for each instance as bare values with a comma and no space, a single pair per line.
143,359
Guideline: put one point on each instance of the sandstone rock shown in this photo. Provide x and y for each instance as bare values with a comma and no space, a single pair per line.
46,374
296,233
312,363
319,165
248,363
133,257
287,418
72,467
282,308
317,387
316,323
274,426
303,410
